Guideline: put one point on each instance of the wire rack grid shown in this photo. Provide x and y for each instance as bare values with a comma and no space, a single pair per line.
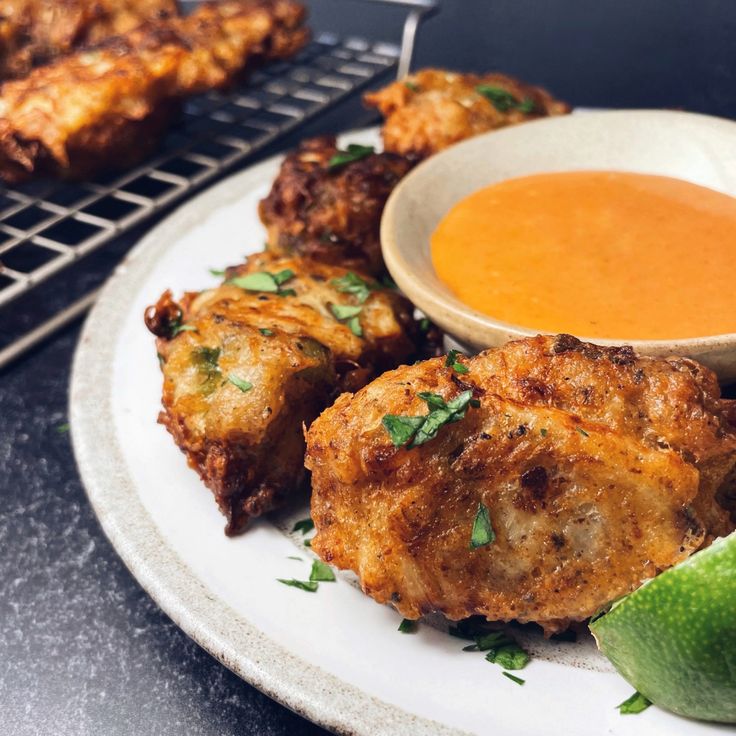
47,226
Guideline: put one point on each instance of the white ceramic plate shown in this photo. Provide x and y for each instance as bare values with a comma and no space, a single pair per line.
334,656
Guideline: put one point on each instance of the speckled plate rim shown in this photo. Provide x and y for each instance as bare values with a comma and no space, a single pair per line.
246,650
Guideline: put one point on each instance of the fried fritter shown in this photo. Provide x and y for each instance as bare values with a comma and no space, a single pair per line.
331,212
244,369
34,32
598,469
107,106
432,109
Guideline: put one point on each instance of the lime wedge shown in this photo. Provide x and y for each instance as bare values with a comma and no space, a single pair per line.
674,639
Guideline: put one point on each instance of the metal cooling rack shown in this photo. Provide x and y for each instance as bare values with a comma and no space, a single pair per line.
46,227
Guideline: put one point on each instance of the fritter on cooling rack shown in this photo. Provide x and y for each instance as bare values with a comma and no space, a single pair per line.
327,203
33,32
247,364
106,106
538,481
433,109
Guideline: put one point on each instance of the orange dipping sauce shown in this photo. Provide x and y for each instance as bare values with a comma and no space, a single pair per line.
596,254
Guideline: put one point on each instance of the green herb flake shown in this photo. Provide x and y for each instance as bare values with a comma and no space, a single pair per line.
401,429
452,362
265,331
527,106
482,533
348,314
413,86
543,431
265,281
177,327
492,640
509,656
353,284
294,557
239,383
307,542
309,585
633,705
513,678
304,526
499,97
424,325
388,283
417,430
205,361
217,272
321,572
354,152
583,432
407,626
63,428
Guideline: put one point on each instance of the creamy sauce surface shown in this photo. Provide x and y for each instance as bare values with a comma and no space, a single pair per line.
596,254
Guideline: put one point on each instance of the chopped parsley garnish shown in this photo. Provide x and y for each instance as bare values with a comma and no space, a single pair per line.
513,678
482,533
527,105
217,272
354,152
304,526
407,626
424,325
178,327
307,542
543,432
265,281
348,314
205,360
452,362
321,572
417,430
413,86
509,656
265,331
351,283
583,432
635,704
239,382
503,100
63,428
309,585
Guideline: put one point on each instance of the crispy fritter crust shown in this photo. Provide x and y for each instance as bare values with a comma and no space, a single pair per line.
332,215
248,447
34,32
432,109
599,469
106,106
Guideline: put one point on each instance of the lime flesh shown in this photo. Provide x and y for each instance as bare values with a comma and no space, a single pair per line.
674,639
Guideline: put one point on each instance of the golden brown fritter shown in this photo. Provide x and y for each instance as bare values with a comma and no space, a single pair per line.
245,369
598,469
34,32
432,109
331,212
106,106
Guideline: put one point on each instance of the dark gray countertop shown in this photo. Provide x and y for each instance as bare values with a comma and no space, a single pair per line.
83,649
